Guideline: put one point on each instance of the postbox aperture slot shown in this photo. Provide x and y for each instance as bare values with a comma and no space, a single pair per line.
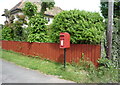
61,35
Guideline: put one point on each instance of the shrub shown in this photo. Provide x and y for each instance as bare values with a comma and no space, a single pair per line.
115,41
6,33
29,9
105,73
0,33
18,29
86,27
18,32
37,29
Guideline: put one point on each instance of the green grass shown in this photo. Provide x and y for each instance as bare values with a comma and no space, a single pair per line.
71,72
45,66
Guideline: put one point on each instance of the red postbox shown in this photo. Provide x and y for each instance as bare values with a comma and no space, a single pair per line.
64,40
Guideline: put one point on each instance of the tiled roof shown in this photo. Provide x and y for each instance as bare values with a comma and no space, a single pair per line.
17,6
52,12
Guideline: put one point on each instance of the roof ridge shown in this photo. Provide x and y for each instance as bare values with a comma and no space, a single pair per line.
53,11
21,4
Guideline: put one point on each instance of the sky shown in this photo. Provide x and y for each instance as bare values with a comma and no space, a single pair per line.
88,5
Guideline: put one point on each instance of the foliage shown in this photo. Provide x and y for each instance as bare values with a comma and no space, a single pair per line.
84,64
116,29
46,4
29,9
11,19
115,41
9,16
106,66
84,27
1,27
104,8
37,29
18,30
46,66
6,33
6,14
105,73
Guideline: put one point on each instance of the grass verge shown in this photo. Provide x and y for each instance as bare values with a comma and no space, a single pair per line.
45,66
72,72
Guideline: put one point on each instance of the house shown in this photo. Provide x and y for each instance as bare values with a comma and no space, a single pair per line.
49,14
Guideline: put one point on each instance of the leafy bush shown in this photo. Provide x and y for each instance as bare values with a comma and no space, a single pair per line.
84,64
7,33
105,73
37,29
0,33
15,31
84,27
115,41
18,29
29,9
45,5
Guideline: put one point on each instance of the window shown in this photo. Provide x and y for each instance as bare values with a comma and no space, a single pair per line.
48,19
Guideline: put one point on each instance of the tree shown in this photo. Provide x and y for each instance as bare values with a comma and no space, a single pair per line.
11,19
84,27
37,29
116,26
115,41
9,16
6,13
29,9
104,8
6,33
18,29
48,4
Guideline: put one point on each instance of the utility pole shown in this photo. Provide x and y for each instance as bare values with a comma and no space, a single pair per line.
110,28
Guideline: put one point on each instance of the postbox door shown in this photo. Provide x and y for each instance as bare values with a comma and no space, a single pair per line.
64,40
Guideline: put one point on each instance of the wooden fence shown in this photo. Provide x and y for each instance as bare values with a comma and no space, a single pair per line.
52,51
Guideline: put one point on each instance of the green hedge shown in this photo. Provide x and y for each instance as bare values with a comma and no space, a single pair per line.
29,9
84,27
7,33
37,29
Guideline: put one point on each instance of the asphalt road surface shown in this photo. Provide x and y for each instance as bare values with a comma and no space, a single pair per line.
12,73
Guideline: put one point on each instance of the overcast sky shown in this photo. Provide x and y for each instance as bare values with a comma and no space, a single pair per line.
88,5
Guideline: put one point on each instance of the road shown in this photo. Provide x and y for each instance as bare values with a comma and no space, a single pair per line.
12,73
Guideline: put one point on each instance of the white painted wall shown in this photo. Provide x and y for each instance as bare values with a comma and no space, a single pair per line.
15,15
